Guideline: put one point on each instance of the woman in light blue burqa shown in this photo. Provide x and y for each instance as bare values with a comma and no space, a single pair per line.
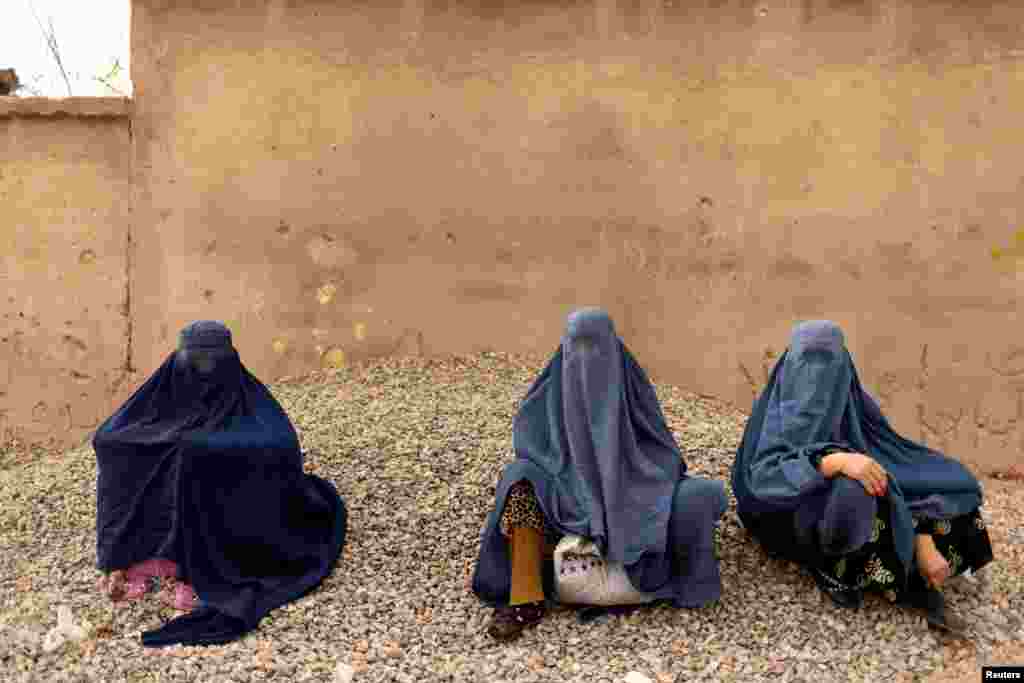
595,458
822,478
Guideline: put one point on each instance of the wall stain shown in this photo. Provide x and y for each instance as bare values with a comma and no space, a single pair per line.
325,293
1010,259
792,268
333,357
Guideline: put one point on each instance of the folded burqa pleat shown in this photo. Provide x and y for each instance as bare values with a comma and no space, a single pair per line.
591,438
814,401
201,466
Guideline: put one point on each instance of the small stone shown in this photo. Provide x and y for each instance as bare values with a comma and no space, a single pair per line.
344,673
65,630
636,677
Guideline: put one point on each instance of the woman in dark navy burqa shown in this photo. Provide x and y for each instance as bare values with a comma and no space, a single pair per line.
822,478
200,477
595,458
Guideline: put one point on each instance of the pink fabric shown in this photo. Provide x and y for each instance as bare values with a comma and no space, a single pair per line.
137,583
184,597
137,576
155,567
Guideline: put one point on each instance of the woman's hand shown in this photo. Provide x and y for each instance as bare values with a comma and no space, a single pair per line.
930,562
863,468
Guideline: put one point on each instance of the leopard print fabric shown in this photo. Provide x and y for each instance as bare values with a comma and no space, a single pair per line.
522,509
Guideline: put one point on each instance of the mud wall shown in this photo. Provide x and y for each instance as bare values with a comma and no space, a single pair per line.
65,192
345,180
342,180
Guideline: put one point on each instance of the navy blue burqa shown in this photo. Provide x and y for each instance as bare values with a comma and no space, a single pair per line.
814,403
201,466
592,440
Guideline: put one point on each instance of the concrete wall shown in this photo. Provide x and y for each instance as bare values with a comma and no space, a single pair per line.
344,180
65,190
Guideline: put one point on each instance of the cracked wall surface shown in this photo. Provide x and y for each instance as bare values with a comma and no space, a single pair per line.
338,181
65,181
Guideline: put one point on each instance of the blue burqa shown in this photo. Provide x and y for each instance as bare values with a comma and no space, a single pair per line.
201,466
591,438
814,403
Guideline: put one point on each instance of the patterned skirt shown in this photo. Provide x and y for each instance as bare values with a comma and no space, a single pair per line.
963,541
523,510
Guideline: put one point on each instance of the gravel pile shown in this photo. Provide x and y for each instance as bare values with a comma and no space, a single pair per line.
415,446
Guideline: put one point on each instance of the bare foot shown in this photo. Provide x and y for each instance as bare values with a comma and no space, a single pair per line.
931,564
112,585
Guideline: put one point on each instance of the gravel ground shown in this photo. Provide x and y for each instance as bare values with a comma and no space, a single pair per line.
415,447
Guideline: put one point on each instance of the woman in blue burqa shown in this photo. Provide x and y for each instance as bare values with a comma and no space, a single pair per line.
595,458
821,478
200,483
